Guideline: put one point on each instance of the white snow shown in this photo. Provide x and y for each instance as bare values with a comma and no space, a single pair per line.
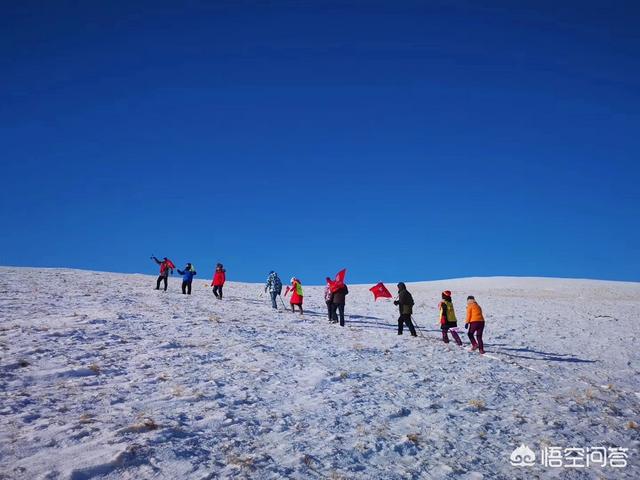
101,376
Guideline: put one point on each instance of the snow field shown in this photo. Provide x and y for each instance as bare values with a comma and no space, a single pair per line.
104,377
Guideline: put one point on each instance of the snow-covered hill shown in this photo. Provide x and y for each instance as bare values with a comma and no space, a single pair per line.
104,377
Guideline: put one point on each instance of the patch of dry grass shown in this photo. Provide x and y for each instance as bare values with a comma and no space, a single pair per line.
244,462
146,424
177,391
477,404
86,418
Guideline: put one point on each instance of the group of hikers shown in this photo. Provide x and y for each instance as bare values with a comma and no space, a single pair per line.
189,271
335,298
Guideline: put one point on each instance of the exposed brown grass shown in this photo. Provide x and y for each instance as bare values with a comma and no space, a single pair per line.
86,418
477,404
244,462
146,424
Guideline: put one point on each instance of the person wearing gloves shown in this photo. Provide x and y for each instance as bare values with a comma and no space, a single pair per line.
475,323
405,305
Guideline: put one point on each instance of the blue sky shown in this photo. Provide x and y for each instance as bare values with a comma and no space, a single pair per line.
402,140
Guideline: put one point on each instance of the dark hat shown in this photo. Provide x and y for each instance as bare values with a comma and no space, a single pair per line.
471,297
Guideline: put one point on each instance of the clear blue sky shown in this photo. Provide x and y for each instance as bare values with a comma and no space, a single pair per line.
402,140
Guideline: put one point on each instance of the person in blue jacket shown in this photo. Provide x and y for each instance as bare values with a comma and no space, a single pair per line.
187,278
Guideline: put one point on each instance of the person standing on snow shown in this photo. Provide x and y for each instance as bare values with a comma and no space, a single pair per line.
328,299
448,318
405,305
338,301
187,278
274,287
297,294
219,277
166,267
475,324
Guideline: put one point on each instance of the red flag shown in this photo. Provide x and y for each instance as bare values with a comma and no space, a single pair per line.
380,291
338,282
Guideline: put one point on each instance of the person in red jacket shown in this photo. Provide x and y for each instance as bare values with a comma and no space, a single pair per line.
297,294
166,267
219,278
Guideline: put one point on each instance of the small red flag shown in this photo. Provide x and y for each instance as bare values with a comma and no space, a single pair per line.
338,283
380,291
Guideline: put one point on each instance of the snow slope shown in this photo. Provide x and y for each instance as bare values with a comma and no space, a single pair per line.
104,377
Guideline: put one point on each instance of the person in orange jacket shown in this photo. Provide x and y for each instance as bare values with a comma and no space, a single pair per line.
297,294
475,324
219,277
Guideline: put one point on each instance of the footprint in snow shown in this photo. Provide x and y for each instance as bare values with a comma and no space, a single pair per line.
403,412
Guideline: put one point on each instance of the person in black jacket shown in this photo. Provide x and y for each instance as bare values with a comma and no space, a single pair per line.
405,305
338,301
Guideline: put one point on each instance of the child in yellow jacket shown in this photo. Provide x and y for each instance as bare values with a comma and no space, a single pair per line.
448,320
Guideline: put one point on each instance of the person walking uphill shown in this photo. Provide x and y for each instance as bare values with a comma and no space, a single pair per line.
274,287
328,298
297,295
448,318
219,277
187,278
475,324
337,303
166,267
405,305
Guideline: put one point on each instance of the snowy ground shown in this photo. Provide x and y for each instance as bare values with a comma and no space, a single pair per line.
103,377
